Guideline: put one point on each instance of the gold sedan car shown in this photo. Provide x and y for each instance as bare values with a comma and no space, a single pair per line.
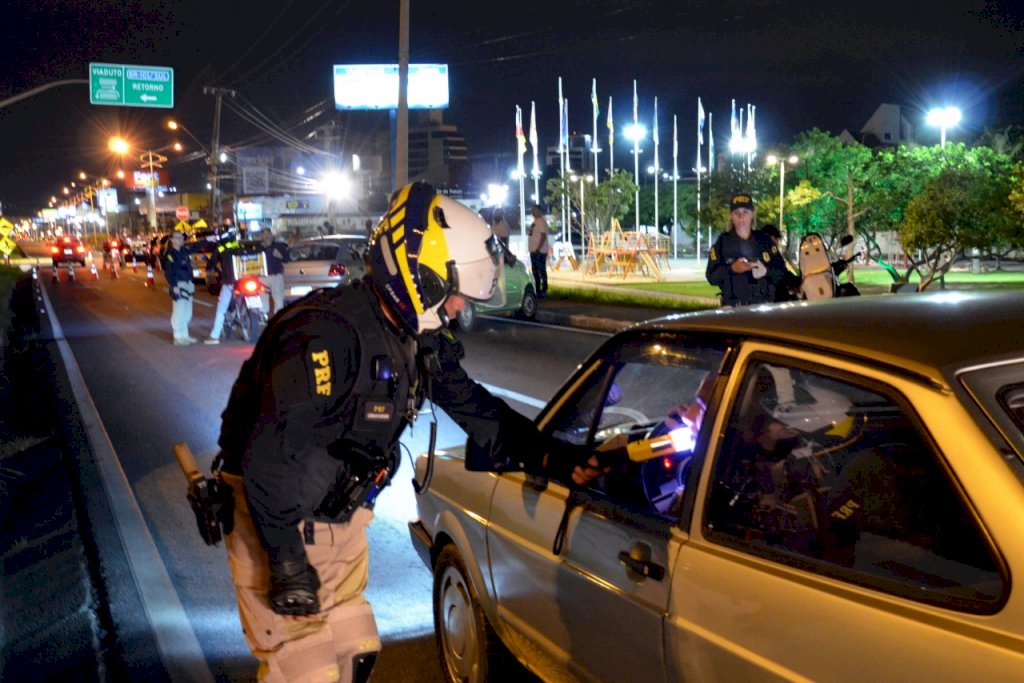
827,491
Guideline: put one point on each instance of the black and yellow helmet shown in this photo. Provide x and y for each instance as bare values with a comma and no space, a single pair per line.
426,247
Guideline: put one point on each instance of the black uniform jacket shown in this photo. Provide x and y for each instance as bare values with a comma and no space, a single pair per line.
293,404
742,289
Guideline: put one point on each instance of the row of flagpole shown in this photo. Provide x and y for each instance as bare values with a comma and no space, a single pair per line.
742,141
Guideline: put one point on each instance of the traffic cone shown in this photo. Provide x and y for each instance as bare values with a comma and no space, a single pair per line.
135,265
149,277
92,271
71,272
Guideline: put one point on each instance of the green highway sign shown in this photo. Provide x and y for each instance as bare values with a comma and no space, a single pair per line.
131,86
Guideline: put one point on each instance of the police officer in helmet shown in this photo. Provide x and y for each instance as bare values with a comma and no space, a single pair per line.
310,433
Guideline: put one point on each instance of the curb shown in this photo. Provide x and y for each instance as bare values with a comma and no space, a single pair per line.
583,322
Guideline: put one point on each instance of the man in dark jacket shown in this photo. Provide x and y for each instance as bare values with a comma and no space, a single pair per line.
310,433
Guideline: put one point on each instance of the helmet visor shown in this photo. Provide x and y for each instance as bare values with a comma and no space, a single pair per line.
482,280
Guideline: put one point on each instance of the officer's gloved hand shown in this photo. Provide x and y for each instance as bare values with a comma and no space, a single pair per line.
578,466
293,587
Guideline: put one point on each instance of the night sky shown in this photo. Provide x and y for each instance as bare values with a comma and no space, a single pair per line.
803,64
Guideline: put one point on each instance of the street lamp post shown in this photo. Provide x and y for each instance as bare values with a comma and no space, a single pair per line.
792,159
152,160
943,118
636,132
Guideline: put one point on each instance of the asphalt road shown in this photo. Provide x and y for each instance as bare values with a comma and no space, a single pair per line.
149,394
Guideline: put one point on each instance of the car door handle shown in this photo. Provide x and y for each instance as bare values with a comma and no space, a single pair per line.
643,567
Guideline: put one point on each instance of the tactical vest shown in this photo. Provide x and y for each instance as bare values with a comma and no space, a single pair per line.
385,395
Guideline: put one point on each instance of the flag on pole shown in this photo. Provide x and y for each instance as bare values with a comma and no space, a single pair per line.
752,127
734,128
565,124
654,134
611,124
533,133
520,140
636,106
700,131
561,116
675,146
711,143
597,110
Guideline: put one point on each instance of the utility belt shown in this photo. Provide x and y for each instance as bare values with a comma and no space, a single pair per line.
361,477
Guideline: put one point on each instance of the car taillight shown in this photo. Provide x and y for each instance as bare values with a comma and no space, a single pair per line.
80,249
336,269
67,240
54,249
113,243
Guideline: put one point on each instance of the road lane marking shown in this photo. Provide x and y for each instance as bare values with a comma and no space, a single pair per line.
515,396
178,646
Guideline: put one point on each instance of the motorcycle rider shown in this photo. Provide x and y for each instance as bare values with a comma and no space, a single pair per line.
310,433
227,245
744,263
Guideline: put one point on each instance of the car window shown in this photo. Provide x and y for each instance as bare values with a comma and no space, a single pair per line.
644,392
313,252
826,474
999,391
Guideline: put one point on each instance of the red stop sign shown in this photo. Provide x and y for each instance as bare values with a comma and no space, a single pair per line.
182,213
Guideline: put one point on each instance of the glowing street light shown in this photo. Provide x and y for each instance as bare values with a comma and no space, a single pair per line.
335,185
636,132
943,118
772,160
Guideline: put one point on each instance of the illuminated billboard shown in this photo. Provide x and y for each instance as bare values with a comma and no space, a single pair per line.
375,86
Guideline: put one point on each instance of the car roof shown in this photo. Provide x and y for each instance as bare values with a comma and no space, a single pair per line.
930,335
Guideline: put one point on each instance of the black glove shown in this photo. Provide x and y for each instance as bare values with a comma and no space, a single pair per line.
293,587
564,458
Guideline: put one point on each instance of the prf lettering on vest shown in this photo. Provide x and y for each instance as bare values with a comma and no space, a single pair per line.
321,372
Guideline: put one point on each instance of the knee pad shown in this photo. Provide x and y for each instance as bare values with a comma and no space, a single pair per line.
356,640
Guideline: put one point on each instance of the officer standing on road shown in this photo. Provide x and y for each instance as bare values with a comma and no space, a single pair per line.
310,433
227,244
276,253
745,264
178,271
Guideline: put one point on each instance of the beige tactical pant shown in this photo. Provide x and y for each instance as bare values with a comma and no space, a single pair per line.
314,651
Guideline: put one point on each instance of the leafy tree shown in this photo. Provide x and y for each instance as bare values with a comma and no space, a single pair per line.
840,177
613,198
961,208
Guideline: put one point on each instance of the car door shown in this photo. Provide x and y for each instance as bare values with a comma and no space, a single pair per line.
830,538
581,577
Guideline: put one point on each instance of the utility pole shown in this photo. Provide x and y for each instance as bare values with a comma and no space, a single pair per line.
401,171
215,203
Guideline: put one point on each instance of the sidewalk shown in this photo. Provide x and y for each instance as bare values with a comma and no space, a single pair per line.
556,310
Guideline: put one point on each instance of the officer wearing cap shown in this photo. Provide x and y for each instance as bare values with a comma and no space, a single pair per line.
310,433
745,264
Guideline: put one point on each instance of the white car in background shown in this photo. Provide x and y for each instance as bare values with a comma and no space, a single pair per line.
323,262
